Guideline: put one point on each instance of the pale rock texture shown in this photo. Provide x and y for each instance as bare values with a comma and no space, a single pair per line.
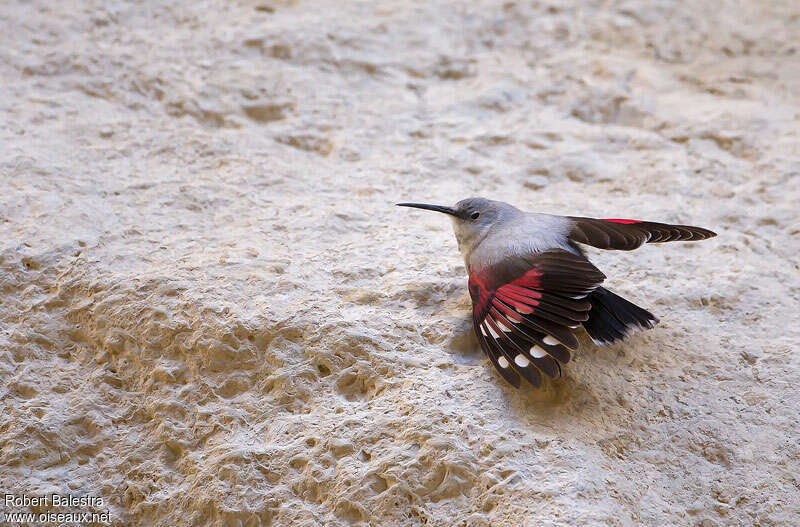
212,314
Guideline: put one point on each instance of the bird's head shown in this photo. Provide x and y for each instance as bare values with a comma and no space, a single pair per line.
473,219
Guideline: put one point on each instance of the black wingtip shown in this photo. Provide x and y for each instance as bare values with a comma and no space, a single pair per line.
700,234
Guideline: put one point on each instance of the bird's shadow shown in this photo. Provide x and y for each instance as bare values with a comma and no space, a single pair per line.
429,295
463,344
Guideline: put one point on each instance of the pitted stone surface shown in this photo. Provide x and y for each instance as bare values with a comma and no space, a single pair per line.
212,314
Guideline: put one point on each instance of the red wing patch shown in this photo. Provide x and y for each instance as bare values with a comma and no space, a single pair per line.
619,220
524,310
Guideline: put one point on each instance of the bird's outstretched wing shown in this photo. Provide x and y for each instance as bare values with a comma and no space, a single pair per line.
627,235
524,310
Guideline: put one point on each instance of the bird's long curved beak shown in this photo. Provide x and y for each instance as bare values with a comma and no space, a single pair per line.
437,208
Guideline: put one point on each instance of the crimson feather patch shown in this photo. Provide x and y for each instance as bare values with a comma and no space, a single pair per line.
525,308
620,220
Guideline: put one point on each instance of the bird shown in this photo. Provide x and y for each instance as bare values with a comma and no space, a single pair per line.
532,286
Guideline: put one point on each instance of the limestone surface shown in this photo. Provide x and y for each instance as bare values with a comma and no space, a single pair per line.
211,313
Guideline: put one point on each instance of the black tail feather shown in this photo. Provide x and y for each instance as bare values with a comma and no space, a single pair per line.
612,318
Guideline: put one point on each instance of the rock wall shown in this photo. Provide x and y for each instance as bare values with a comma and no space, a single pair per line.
211,313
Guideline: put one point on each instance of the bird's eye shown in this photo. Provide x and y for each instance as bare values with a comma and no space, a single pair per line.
475,215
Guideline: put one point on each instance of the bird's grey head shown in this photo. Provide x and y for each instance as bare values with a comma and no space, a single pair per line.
473,219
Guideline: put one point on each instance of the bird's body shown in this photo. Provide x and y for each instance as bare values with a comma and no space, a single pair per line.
531,284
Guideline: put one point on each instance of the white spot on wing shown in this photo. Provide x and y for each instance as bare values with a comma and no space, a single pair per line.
495,335
521,360
514,318
550,341
504,327
483,330
502,362
538,352
524,310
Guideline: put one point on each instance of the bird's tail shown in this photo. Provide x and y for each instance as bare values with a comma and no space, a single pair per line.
612,318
